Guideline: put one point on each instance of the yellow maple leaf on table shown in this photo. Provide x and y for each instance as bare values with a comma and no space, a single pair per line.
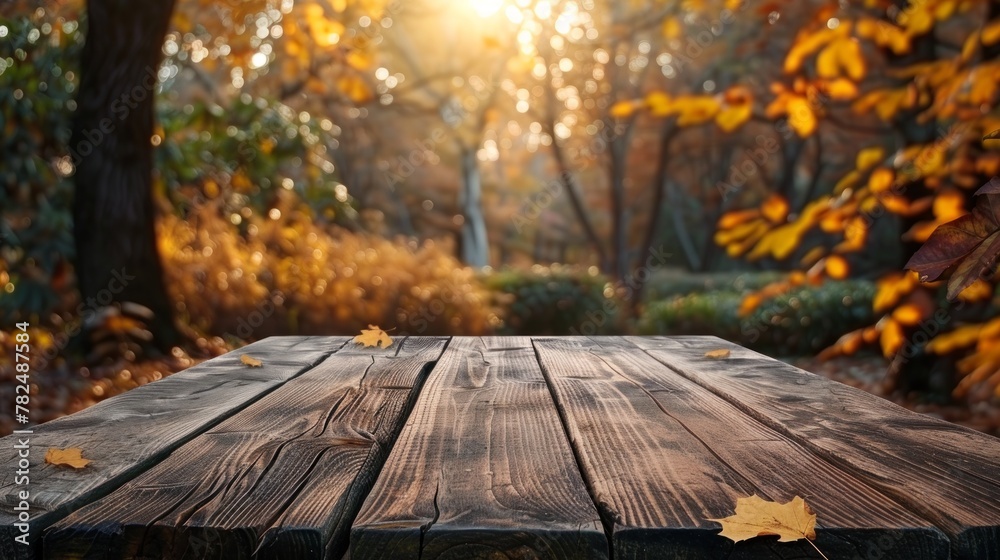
373,336
719,354
757,517
71,457
249,360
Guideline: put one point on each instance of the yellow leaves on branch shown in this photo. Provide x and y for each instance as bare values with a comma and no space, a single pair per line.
948,205
909,314
869,157
981,368
919,17
775,209
800,103
783,240
672,28
756,517
890,289
729,110
326,31
881,180
887,102
740,230
807,43
839,89
851,342
70,457
883,34
373,336
842,58
766,232
904,308
752,301
355,88
624,109
836,267
693,110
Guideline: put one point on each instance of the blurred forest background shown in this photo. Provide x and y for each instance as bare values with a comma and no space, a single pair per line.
206,173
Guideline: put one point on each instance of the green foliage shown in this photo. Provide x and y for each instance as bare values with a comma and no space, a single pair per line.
241,159
554,301
37,80
808,319
669,283
243,154
801,321
708,313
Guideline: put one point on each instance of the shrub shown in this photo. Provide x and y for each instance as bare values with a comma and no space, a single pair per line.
709,313
802,320
292,276
554,301
37,69
668,283
808,319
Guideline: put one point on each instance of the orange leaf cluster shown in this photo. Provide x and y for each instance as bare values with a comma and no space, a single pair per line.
728,110
774,289
981,367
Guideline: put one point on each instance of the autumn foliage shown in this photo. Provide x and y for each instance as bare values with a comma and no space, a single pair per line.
311,173
936,95
302,278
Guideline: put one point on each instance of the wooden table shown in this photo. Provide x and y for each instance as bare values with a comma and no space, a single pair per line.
499,448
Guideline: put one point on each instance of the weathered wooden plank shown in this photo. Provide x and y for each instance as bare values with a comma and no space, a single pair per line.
281,479
482,468
128,433
663,455
946,473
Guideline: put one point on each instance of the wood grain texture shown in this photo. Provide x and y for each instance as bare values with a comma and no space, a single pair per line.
482,469
944,472
281,479
129,433
663,455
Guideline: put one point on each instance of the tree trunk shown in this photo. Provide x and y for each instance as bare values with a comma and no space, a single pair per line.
619,221
475,247
576,201
113,211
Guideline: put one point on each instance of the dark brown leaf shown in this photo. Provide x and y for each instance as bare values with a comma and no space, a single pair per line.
976,265
964,249
949,244
992,187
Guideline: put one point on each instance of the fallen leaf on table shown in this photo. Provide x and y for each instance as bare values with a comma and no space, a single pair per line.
373,336
756,517
71,457
717,354
251,361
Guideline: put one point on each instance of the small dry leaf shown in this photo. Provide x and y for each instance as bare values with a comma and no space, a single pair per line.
719,354
251,361
373,336
756,517
71,457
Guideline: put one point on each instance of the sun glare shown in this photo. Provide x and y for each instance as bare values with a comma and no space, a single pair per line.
486,8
